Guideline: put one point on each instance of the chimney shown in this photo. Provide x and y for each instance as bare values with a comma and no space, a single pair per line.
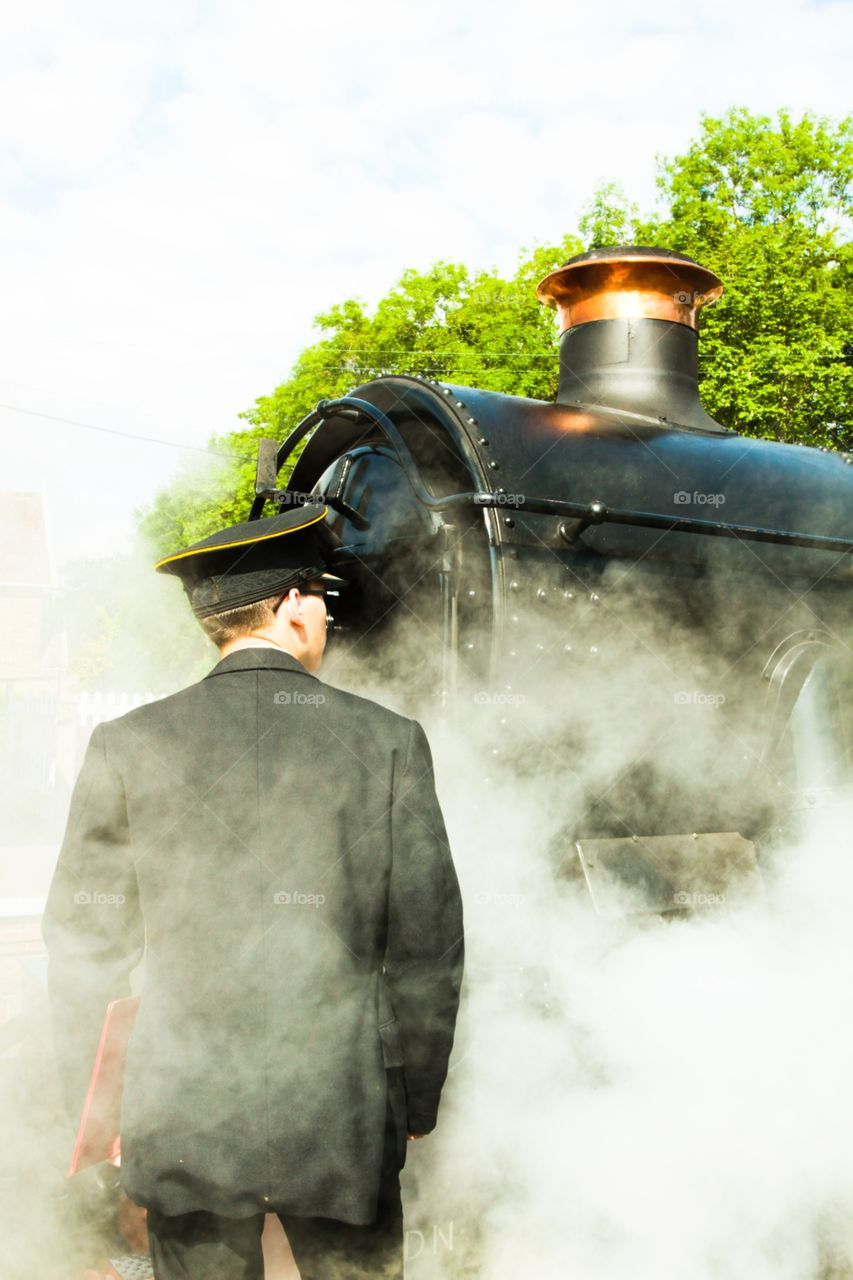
629,341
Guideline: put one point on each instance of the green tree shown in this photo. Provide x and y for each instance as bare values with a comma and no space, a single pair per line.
608,218
765,204
130,629
476,329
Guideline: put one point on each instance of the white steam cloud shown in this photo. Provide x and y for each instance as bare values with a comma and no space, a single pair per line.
629,1095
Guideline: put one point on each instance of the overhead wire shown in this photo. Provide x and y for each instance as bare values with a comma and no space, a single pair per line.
128,435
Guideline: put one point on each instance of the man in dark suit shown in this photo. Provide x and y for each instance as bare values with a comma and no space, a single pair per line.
275,848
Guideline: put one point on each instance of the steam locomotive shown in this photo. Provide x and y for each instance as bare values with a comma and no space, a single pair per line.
635,595
611,591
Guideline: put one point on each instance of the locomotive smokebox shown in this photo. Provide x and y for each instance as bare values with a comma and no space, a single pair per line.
612,585
629,342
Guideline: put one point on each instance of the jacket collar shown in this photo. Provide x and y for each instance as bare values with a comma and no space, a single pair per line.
255,657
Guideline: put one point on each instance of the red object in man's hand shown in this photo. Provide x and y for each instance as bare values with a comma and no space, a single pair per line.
98,1132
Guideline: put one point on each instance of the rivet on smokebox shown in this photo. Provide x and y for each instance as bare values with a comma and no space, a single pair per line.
695,837
483,440
567,648
594,597
515,586
593,648
470,645
471,593
568,595
509,522
541,594
493,465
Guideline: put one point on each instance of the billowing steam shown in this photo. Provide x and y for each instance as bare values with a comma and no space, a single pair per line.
635,1095
630,1095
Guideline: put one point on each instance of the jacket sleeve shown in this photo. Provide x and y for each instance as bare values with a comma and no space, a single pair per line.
424,949
93,929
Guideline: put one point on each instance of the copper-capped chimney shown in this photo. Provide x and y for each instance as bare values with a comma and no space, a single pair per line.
629,342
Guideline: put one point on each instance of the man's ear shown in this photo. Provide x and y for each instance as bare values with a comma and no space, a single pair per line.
293,607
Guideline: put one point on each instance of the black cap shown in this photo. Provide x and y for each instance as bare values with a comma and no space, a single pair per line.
254,560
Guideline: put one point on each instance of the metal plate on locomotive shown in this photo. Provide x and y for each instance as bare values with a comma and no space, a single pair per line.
672,873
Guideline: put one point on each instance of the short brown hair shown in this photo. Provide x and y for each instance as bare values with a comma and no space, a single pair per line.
233,623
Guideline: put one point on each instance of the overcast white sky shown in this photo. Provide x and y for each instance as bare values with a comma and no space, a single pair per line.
184,185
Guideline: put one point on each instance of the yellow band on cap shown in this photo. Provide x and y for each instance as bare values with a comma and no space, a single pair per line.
245,542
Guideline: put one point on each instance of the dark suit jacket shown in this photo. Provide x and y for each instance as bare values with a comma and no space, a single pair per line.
279,846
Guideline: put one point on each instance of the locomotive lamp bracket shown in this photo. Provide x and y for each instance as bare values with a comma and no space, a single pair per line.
266,475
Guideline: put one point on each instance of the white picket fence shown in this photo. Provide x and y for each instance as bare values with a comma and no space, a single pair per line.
44,732
93,708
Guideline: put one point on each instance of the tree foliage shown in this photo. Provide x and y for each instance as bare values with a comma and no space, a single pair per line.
768,208
473,328
129,629
765,204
